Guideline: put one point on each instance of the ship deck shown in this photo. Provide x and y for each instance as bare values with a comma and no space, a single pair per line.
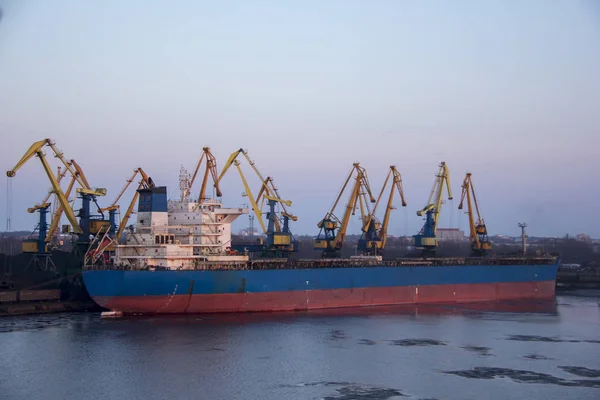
360,262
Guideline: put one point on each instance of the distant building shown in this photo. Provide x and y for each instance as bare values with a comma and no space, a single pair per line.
450,235
503,239
582,237
248,232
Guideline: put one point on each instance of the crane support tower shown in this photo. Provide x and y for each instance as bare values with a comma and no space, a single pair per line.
333,230
523,225
374,236
478,235
426,238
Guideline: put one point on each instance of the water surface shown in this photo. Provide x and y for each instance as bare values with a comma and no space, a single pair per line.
516,350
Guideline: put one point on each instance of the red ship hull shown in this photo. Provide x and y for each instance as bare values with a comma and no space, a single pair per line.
331,298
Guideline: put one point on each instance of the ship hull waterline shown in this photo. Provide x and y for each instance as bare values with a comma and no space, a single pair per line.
235,291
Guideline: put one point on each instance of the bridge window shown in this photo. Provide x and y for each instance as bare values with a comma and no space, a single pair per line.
164,239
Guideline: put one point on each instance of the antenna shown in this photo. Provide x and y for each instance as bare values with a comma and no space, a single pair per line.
8,202
184,182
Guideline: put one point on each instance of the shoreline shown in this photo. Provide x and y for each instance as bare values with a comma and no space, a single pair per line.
9,310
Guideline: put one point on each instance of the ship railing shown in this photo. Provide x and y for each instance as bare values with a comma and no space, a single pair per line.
115,267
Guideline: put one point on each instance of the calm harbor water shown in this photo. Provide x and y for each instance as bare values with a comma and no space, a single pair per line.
517,350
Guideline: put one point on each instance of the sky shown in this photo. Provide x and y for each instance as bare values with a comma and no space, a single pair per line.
506,90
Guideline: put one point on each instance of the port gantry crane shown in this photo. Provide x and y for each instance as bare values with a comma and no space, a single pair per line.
426,238
374,236
478,235
211,167
330,241
280,241
85,226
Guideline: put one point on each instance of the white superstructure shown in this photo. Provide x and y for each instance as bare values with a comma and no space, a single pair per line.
179,234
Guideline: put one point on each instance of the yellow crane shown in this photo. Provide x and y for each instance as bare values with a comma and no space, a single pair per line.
280,240
36,149
86,225
211,167
426,238
478,235
374,236
330,241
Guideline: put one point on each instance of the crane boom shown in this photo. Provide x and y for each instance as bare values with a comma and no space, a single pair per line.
114,205
211,167
144,182
62,199
231,160
229,163
350,210
397,184
255,207
478,236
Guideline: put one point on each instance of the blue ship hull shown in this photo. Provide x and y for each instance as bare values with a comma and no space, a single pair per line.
209,291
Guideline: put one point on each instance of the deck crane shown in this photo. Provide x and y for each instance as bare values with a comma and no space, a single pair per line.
103,243
478,235
426,239
82,228
145,183
280,240
113,209
211,167
330,241
374,234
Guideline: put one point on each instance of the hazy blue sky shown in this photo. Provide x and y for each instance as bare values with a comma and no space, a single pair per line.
509,90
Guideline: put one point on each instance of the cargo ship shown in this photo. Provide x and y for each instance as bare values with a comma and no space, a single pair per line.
179,259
